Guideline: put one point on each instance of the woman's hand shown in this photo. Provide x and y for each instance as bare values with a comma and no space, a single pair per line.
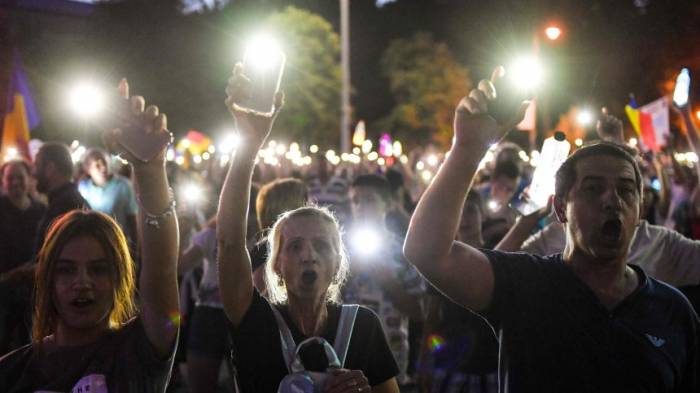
134,116
347,381
254,127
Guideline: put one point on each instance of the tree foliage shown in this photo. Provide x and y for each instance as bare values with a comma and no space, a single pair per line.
311,80
427,83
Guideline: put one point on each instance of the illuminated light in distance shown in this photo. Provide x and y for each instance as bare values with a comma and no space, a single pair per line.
206,155
180,160
552,32
197,159
192,193
493,205
398,149
229,143
432,160
578,142
633,142
313,149
426,175
86,100
373,156
367,146
381,161
404,159
366,241
584,117
356,150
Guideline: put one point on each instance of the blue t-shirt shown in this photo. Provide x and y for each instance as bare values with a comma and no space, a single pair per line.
116,198
556,336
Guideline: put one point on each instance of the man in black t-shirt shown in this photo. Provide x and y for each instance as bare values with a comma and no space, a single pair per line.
53,170
582,321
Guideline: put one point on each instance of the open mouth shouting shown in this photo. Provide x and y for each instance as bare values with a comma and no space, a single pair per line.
612,230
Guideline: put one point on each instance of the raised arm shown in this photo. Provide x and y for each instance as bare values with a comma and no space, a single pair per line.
157,228
460,271
235,271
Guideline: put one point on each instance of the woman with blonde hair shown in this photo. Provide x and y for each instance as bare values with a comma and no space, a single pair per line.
305,270
90,334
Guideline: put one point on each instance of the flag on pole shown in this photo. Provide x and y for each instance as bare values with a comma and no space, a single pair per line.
20,114
651,123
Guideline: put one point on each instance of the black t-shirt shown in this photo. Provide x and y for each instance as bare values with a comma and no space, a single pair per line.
258,351
17,232
557,337
61,201
121,361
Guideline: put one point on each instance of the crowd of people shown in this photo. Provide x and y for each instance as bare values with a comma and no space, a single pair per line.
110,281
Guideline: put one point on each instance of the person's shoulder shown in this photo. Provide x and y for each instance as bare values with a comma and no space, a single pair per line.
669,298
16,359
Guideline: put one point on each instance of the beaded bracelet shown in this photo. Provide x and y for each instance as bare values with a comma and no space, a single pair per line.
154,219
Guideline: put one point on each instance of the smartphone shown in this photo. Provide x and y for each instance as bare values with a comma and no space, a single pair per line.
264,66
144,147
682,89
508,100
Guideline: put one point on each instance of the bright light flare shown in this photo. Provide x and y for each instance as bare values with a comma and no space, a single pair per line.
525,73
86,100
366,241
313,149
584,117
578,142
192,193
262,52
229,143
552,32
633,142
493,205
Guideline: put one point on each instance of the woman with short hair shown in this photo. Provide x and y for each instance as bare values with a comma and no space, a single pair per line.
305,269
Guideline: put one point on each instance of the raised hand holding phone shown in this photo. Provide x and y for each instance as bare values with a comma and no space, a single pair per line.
140,134
253,126
473,119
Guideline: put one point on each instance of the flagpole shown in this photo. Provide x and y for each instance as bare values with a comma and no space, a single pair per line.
345,71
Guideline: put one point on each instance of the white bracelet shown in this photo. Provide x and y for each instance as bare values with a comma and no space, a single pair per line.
155,219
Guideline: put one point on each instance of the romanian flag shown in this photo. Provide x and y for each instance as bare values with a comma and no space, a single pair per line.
650,122
19,115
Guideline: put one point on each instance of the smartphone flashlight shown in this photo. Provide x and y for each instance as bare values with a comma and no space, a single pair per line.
263,64
682,89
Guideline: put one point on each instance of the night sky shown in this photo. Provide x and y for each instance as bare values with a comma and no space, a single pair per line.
609,49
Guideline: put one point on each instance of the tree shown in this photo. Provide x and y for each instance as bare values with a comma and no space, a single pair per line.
311,80
427,83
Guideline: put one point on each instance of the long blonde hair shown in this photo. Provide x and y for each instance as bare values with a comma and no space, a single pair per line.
276,288
106,231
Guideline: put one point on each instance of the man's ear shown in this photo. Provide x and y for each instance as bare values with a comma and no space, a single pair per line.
560,209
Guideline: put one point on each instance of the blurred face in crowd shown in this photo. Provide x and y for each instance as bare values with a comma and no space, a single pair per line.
15,180
98,171
503,188
83,287
42,178
602,209
367,205
308,257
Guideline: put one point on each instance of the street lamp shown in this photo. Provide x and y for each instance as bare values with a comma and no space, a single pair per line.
552,32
